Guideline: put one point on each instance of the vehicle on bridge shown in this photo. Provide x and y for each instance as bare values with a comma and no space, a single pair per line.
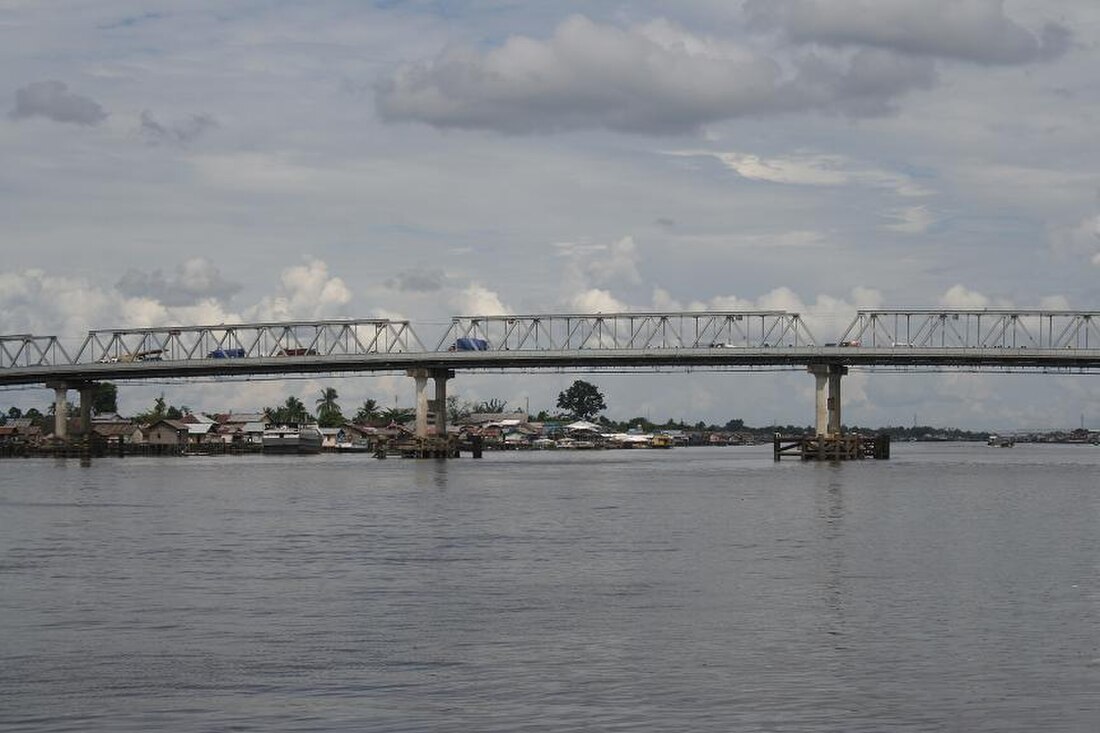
470,344
150,355
226,354
298,352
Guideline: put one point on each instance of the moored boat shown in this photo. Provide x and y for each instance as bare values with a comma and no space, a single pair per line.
292,439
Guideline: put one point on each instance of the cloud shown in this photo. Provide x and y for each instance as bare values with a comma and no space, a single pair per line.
181,132
418,281
589,266
1082,239
195,280
477,300
33,301
596,300
810,169
306,292
52,100
654,78
958,296
969,30
910,220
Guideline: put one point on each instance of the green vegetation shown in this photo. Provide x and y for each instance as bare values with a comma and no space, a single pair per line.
328,410
582,400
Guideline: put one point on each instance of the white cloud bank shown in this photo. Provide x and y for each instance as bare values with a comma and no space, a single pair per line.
857,57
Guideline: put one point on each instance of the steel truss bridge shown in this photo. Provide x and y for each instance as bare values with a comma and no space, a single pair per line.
936,338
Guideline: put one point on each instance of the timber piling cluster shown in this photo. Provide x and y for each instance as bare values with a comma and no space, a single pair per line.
831,447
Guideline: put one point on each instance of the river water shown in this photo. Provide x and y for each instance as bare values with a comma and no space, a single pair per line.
953,588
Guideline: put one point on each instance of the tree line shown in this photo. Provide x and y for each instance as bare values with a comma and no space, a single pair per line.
582,400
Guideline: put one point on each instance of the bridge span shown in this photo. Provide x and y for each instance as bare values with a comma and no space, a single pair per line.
985,339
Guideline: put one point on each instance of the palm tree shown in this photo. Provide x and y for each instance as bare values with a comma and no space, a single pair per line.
367,412
293,411
397,415
328,411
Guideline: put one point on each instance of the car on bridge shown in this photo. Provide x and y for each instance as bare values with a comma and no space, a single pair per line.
226,354
470,344
150,355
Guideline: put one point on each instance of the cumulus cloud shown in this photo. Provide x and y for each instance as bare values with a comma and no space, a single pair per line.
591,266
34,301
477,300
970,30
654,78
1082,239
306,291
825,316
195,280
596,300
53,100
958,296
180,132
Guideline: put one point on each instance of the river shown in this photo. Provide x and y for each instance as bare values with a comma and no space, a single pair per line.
955,587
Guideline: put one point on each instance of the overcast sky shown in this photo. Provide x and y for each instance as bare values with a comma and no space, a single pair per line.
206,162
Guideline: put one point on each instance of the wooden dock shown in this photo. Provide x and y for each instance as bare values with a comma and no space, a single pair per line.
852,447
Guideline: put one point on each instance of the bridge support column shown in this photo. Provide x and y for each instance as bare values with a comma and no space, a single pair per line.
423,406
60,411
87,396
827,397
441,376
421,377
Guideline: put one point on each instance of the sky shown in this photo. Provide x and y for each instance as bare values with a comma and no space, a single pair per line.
205,162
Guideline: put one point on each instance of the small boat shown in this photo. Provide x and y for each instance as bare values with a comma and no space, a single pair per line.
292,439
1000,441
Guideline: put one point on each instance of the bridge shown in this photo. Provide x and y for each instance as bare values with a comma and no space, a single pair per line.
982,339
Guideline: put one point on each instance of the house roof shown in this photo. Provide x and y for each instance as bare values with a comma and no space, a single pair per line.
480,418
174,424
112,429
241,417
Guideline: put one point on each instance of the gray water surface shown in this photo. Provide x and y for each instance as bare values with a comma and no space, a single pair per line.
953,588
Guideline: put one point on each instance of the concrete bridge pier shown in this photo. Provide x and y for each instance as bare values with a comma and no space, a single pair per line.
60,410
87,396
61,407
827,397
439,414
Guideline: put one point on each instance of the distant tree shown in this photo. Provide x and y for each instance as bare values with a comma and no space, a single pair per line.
457,409
583,400
70,408
36,416
15,413
367,412
492,406
291,412
734,425
105,398
329,414
173,413
397,415
158,411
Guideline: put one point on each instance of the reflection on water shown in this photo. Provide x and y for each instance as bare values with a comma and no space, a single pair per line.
954,587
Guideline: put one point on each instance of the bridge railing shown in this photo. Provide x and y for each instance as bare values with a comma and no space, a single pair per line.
566,332
976,329
250,340
26,350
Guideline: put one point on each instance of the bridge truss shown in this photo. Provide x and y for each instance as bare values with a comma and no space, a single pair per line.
250,340
628,331
25,350
975,329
